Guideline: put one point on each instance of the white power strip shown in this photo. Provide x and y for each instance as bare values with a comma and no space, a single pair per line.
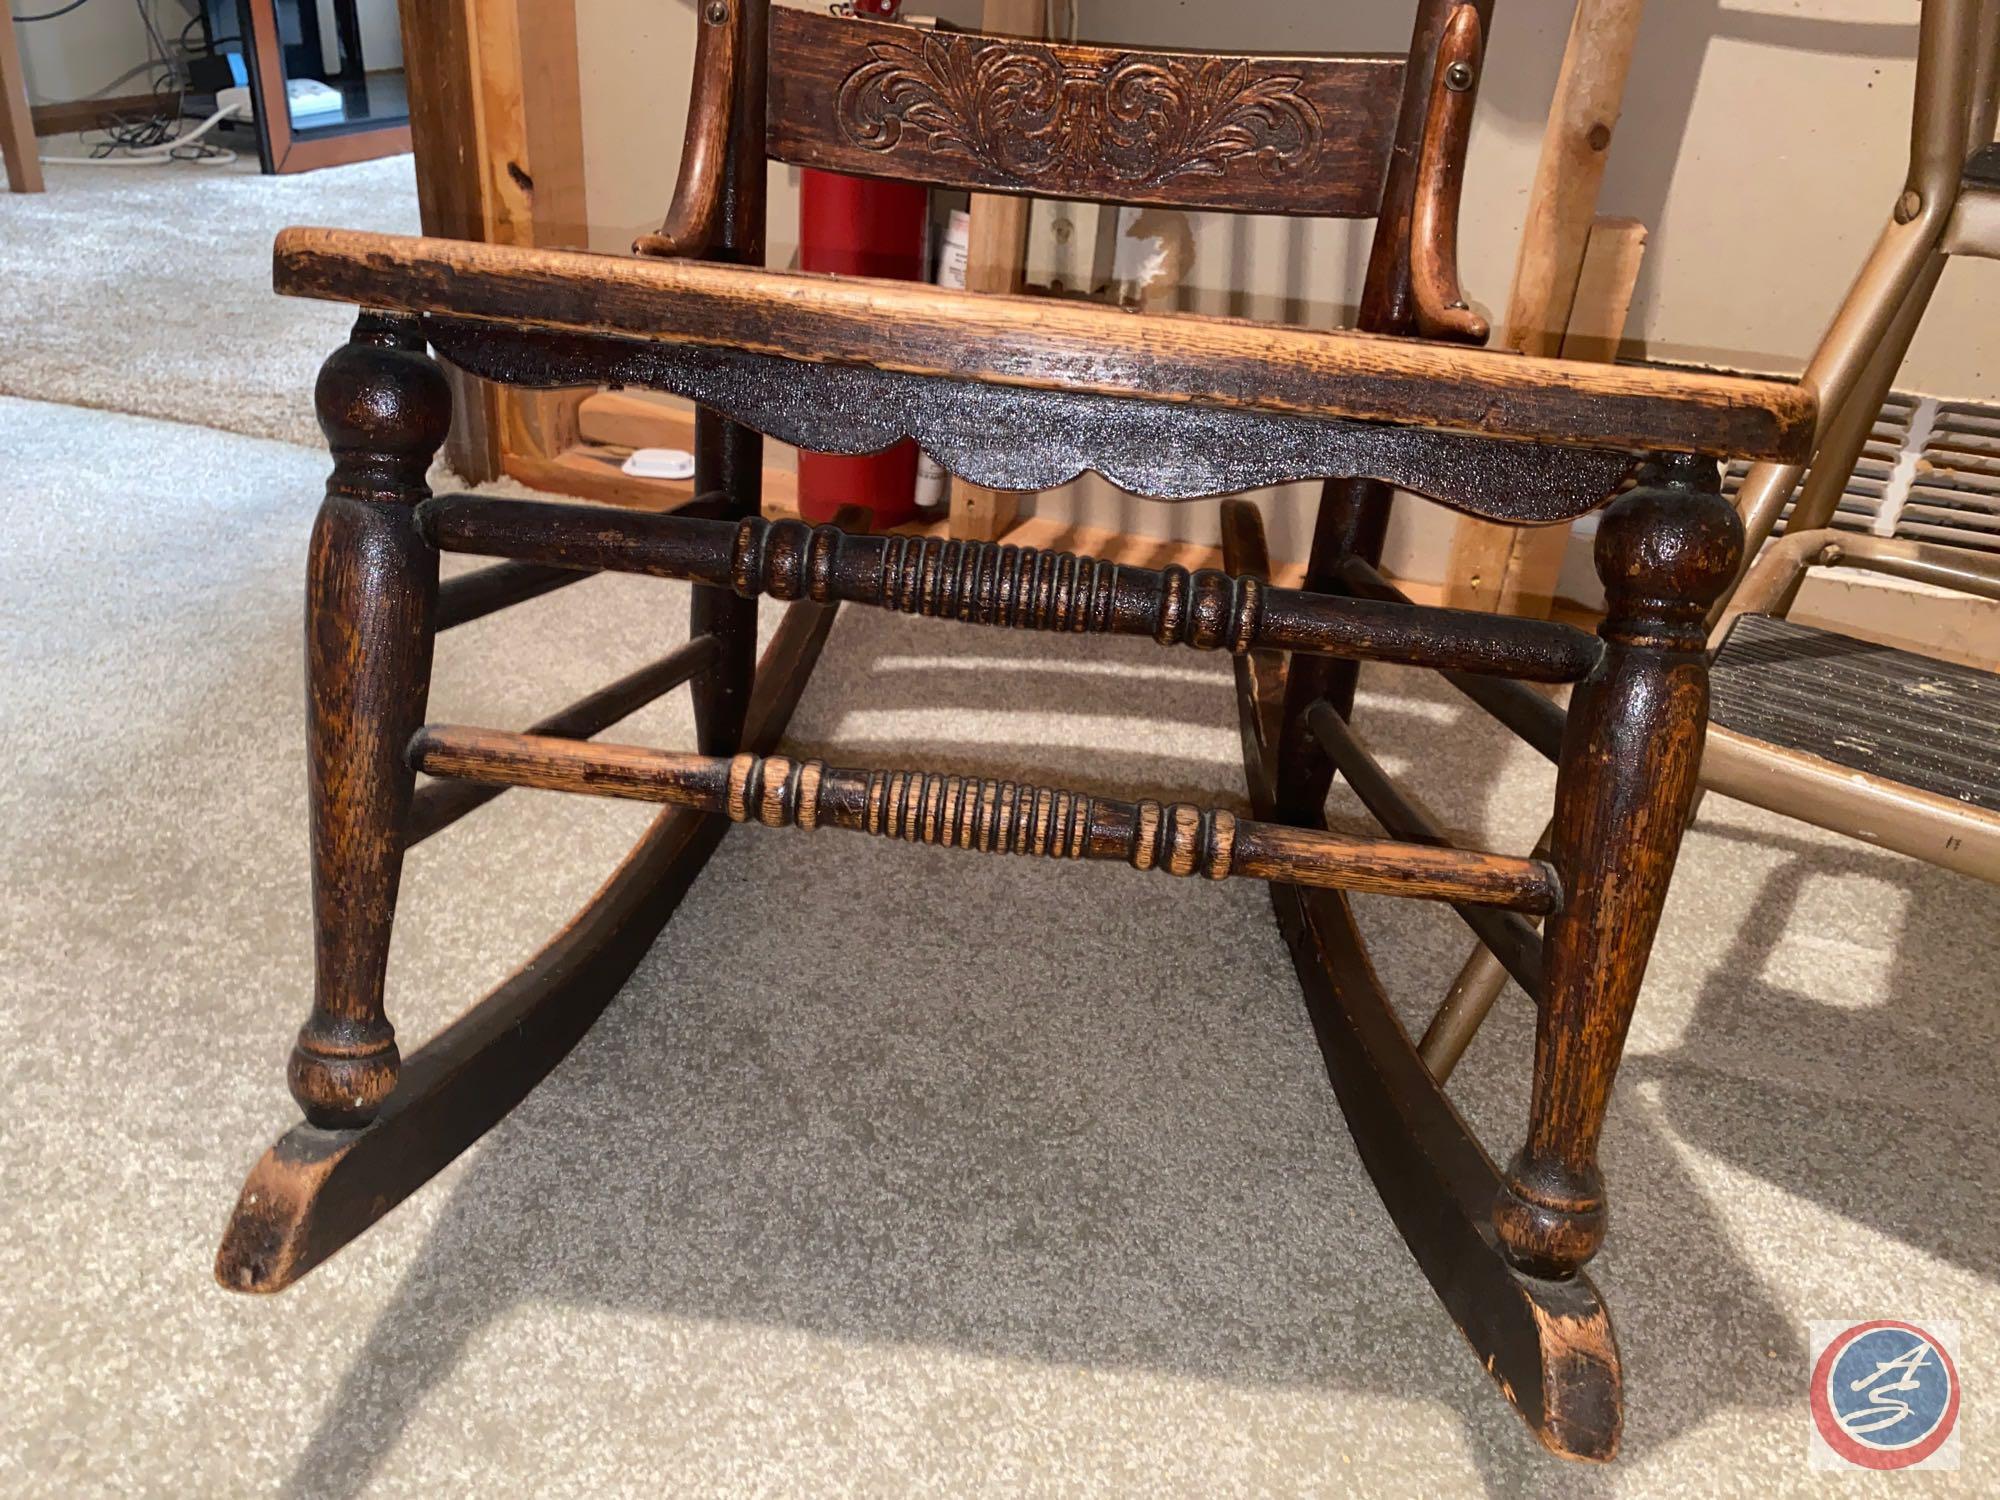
308,98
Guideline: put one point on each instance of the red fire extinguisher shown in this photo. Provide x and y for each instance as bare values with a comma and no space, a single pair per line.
856,226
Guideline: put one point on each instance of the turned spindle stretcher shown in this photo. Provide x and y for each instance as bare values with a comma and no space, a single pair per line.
1021,393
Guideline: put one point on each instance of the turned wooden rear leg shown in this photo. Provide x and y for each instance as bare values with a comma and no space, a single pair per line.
371,598
1624,792
1353,522
729,461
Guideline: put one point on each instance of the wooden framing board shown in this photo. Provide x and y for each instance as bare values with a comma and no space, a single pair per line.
497,119
17,128
610,425
1610,276
497,126
85,114
1562,207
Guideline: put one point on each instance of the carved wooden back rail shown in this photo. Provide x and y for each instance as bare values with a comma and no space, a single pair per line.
1345,137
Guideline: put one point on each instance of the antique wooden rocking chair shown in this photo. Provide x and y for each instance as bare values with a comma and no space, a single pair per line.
1023,394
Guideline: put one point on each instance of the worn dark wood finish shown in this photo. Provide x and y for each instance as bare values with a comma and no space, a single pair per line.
474,596
728,456
1509,938
1388,298
1624,788
371,589
988,584
1260,674
1547,1344
1353,515
1170,405
1893,715
438,805
1353,522
316,1190
1535,718
693,225
1440,307
1042,343
986,816
1272,135
1038,440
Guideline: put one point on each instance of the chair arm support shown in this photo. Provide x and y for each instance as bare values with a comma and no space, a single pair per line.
1441,309
694,220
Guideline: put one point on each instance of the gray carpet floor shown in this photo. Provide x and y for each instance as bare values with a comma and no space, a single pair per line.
892,1172
148,289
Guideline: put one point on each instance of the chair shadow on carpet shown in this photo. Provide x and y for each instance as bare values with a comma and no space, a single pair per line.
1878,1107
1045,1115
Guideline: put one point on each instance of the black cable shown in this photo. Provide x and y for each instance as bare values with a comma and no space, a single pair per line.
161,125
210,44
50,15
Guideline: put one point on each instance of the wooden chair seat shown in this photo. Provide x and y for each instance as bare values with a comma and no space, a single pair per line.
1047,345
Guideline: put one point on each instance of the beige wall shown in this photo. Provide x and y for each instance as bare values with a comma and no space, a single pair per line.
74,56
77,55
1763,140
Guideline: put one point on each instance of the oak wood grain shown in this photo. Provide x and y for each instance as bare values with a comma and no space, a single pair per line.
1548,1345
371,597
693,223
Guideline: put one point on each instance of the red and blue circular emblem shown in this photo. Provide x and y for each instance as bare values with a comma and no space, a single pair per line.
1885,1395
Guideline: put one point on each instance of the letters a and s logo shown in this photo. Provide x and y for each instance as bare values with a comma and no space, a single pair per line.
1884,1395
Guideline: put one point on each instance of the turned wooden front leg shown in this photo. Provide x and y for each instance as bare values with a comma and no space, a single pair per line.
1624,790
371,599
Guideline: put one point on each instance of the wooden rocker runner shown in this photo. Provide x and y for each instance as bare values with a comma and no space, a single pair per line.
1022,394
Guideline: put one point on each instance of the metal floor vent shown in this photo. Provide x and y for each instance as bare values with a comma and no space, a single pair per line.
1930,473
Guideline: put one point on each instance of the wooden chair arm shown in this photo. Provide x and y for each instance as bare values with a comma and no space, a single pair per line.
694,220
